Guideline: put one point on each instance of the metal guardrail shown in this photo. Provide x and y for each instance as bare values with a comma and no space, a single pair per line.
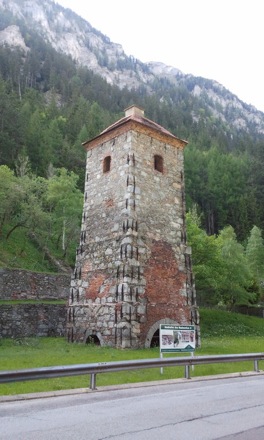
106,367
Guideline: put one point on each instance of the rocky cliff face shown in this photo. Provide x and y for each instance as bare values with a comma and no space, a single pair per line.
11,36
73,36
70,34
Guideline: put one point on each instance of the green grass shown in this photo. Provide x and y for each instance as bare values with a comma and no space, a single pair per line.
222,323
19,252
246,336
14,302
41,352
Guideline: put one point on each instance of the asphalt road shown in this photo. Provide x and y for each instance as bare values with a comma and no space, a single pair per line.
226,409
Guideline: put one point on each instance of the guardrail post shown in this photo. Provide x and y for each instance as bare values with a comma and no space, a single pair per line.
92,381
256,368
187,372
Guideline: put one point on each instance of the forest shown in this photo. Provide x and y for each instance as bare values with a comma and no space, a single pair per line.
49,106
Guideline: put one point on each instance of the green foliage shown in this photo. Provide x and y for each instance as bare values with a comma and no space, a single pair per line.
22,204
255,252
236,276
65,203
221,266
219,184
206,261
255,257
47,210
8,195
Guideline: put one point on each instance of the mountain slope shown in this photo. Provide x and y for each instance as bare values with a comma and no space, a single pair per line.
69,34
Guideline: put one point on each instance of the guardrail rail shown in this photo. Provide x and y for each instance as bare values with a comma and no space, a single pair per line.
106,367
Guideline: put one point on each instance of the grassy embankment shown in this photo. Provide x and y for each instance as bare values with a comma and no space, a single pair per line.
19,251
222,333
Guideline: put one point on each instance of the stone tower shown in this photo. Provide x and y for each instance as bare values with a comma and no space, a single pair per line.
133,269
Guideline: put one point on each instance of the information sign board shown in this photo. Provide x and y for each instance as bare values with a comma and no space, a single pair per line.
177,338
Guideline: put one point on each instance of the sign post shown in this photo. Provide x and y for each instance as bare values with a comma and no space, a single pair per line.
176,338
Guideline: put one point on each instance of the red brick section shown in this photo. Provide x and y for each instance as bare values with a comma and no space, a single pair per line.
163,284
86,268
109,203
95,282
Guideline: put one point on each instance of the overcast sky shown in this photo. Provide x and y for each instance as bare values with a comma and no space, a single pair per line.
220,40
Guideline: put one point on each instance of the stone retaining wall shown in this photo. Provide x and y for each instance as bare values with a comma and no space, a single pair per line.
25,320
23,284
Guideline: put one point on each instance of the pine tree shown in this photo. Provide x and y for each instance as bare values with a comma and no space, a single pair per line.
255,255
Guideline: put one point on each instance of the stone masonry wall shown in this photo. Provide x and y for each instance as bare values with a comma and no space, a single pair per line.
23,284
131,268
27,320
98,289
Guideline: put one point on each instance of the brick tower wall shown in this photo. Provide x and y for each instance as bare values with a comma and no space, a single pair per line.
161,209
131,266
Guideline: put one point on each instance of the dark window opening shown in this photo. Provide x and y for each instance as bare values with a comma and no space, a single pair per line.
155,340
158,163
107,164
93,339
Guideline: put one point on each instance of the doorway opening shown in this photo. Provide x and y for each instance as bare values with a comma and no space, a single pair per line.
93,340
155,340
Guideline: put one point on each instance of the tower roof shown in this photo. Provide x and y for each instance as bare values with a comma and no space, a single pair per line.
134,119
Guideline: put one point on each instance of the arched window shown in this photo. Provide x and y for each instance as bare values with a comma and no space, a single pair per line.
158,163
107,164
